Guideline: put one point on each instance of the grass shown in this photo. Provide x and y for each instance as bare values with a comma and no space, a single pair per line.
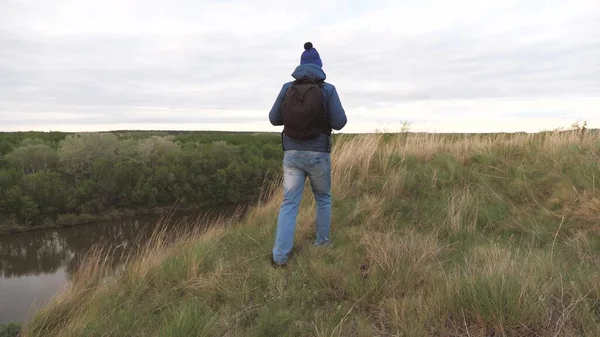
490,235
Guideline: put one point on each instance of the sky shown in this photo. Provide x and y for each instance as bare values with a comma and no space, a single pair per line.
441,66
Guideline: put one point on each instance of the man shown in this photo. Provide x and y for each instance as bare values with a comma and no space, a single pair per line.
308,108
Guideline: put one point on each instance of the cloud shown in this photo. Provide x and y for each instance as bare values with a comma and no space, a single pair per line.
91,64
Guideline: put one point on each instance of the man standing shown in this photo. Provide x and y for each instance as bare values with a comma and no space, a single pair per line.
308,108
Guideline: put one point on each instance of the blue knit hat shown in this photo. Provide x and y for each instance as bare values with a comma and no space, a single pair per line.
310,55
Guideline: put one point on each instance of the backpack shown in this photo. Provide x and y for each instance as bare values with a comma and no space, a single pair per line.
303,111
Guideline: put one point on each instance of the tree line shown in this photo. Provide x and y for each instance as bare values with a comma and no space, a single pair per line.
57,178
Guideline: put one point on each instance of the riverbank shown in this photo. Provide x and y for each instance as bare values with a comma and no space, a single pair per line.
69,220
36,265
471,236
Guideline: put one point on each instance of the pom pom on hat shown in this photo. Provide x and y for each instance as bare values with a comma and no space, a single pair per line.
310,55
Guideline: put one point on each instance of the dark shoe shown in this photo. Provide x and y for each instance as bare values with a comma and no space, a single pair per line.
276,265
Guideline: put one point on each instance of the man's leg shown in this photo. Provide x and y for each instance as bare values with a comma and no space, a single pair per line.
293,184
320,181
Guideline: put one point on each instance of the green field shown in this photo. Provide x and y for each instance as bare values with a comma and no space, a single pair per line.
473,235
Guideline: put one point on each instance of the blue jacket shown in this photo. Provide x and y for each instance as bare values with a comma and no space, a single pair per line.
335,113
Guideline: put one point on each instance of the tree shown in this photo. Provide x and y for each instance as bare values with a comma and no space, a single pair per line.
5,147
83,175
156,148
32,158
77,153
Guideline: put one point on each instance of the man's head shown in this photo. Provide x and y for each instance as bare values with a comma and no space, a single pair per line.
310,55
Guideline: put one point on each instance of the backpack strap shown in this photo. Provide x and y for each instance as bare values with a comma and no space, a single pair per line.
320,82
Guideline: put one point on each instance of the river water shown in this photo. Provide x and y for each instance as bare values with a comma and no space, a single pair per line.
36,265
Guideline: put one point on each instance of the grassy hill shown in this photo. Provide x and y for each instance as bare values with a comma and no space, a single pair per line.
480,235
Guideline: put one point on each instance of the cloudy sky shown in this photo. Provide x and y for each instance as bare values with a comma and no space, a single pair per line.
443,66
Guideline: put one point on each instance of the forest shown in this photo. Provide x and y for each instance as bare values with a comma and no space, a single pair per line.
59,179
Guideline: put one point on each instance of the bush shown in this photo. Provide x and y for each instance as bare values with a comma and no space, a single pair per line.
10,330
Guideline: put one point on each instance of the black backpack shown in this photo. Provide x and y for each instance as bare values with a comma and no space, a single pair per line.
303,111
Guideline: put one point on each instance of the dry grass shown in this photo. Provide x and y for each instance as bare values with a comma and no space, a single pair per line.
434,235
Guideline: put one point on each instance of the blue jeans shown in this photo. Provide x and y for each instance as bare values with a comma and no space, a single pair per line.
297,165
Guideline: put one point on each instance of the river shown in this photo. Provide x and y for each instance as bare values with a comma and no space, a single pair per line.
36,265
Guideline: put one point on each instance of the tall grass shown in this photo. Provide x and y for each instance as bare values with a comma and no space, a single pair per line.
494,235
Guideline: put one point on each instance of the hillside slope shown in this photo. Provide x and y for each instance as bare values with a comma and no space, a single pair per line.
433,236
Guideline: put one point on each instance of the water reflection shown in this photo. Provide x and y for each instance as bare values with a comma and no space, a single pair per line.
35,265
44,252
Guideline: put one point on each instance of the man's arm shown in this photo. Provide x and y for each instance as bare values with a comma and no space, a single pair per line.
275,115
337,116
